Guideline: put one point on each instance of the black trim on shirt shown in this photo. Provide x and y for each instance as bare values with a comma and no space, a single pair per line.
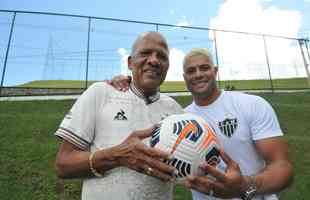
148,99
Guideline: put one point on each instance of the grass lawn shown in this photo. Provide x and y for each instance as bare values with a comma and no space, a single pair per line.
180,85
28,148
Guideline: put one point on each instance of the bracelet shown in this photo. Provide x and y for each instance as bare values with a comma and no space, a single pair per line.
91,166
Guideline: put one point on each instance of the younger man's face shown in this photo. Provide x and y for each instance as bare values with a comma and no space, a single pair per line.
200,75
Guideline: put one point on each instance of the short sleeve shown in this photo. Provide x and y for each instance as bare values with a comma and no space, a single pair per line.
78,124
263,120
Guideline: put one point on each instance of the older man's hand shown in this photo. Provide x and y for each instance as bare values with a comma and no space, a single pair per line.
136,155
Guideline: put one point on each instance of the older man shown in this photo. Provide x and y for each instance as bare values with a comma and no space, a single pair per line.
101,143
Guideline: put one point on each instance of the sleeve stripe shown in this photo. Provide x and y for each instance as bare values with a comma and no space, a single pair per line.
75,135
72,138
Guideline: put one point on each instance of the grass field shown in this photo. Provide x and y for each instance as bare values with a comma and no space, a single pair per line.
180,86
28,148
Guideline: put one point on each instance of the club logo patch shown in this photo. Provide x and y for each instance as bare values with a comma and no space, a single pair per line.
228,126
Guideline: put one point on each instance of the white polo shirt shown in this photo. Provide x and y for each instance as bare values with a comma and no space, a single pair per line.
103,117
240,119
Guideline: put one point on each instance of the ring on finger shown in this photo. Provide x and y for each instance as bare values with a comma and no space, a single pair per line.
211,192
149,170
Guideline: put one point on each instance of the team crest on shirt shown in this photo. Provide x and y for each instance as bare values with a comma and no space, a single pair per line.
228,126
120,115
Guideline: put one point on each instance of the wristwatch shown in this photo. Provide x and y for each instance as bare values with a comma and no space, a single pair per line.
251,191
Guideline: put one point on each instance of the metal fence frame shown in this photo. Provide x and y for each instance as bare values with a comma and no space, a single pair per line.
303,42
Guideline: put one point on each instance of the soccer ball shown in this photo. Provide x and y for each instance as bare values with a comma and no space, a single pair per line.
191,141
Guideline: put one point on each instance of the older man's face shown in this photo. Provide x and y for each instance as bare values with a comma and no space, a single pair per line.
200,75
149,62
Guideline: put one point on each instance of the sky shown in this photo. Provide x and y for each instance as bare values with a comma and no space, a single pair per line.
48,47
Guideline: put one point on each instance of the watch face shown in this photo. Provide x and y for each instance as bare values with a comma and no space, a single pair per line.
250,193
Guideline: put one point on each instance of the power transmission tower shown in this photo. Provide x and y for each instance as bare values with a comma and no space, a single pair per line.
49,66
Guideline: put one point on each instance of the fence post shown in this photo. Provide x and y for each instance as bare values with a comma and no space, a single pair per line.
7,52
301,42
267,60
306,44
217,59
87,54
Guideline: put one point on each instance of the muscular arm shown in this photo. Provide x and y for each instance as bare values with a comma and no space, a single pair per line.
278,172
